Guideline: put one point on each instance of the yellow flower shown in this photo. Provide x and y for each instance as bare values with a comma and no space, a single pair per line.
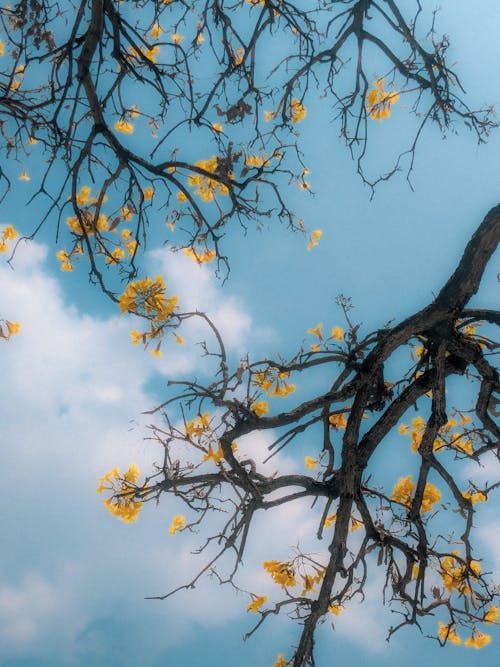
136,336
32,141
117,255
310,462
126,213
315,347
379,102
156,31
213,456
9,233
330,519
148,193
260,408
447,633
314,239
124,126
24,176
268,115
491,615
280,662
177,523
403,492
131,247
477,640
355,524
177,39
199,38
335,609
316,331
178,339
337,421
2,48
217,127
297,111
13,327
181,197
402,429
337,333
282,573
256,604
156,352
3,246
82,197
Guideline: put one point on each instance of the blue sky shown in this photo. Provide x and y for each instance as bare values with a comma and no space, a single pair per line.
73,578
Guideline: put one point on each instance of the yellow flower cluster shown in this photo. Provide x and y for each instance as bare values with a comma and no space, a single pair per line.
177,524
337,421
198,426
124,126
13,328
121,503
257,602
66,257
273,382
212,455
477,640
356,524
260,408
379,102
310,462
454,573
8,234
457,441
281,662
337,333
310,580
282,573
475,496
448,633
207,187
200,254
403,493
297,110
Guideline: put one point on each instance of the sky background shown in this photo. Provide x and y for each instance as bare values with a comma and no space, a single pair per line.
73,578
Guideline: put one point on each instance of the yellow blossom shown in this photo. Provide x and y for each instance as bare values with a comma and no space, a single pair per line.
3,246
9,233
177,523
2,48
217,127
178,339
310,462
198,426
13,327
355,524
24,176
379,102
148,193
335,609
337,333
281,662
337,421
177,39
82,197
314,239
131,247
122,503
256,604
447,633
181,197
157,351
156,31
268,115
200,256
136,336
315,347
124,126
330,519
491,615
260,408
213,456
316,331
32,141
477,640
282,573
297,111
199,38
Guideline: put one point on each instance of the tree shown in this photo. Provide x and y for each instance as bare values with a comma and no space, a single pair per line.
70,82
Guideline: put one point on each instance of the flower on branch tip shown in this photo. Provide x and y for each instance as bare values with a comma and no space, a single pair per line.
475,496
156,31
337,333
330,520
491,615
213,456
178,339
217,127
355,524
177,524
448,633
281,662
201,256
297,111
124,126
335,608
314,239
477,640
310,462
177,39
379,102
24,176
403,492
260,408
121,503
256,604
337,421
148,193
9,233
316,331
282,573
2,48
